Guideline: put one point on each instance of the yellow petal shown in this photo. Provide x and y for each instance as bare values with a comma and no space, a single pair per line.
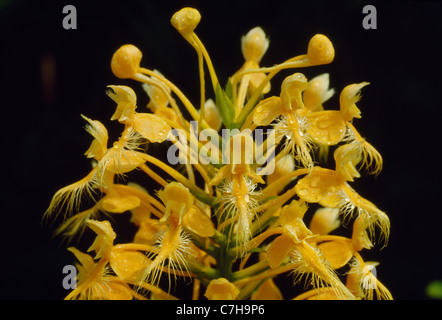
279,250
151,127
325,220
147,232
255,81
338,254
267,110
326,127
167,113
123,161
101,228
317,93
283,166
158,98
105,237
98,147
221,289
115,291
212,115
360,238
289,213
119,202
316,186
177,199
325,293
348,98
126,100
267,291
347,158
198,222
128,264
86,261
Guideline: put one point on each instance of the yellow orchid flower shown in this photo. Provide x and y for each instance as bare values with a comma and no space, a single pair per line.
240,198
292,125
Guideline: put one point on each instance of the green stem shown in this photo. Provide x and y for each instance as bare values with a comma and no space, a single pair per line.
250,271
202,272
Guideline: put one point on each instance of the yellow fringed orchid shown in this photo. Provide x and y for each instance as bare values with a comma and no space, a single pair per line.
211,214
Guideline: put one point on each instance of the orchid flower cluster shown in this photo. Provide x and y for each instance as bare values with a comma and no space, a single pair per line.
230,214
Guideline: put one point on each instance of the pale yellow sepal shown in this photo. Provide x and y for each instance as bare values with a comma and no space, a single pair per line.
151,127
326,127
267,110
126,102
348,98
325,220
198,222
98,147
254,45
317,93
123,161
337,253
278,250
128,264
267,291
118,201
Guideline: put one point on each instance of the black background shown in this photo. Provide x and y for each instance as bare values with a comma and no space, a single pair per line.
43,136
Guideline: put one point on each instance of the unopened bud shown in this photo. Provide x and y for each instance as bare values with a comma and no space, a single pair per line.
186,20
126,61
320,50
254,45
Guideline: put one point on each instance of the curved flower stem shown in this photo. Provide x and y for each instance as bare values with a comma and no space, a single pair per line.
250,271
270,189
153,204
199,193
277,201
296,62
255,242
264,275
153,175
326,237
204,52
156,290
187,104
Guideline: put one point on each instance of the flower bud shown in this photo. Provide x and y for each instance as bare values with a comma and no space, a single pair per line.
126,61
186,20
320,50
212,115
254,45
317,92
